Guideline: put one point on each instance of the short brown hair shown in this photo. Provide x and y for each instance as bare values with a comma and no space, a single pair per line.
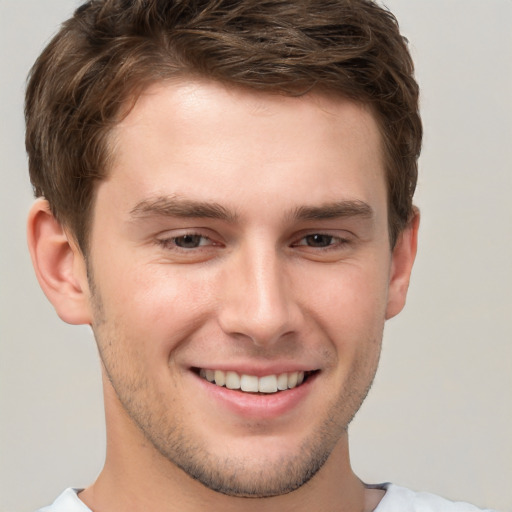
110,50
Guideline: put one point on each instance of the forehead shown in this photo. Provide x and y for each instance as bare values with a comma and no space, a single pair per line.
195,138
200,101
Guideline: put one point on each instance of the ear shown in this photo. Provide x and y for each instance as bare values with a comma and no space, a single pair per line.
402,260
59,265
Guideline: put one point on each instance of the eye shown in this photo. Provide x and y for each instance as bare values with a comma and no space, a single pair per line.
324,246
190,241
187,241
317,240
320,241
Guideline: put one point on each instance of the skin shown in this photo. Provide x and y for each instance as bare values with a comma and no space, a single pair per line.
288,267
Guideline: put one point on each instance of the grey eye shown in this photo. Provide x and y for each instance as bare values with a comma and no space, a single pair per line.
188,241
318,240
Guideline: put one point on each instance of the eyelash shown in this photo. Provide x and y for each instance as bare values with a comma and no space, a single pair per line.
170,243
333,242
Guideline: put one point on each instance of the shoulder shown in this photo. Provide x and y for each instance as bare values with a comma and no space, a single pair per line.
399,499
68,501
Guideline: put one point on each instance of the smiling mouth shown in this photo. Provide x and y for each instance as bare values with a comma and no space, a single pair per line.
267,384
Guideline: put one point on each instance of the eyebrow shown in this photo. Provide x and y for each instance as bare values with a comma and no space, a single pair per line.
174,206
339,209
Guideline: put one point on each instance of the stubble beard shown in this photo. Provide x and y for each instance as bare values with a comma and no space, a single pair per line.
232,475
237,477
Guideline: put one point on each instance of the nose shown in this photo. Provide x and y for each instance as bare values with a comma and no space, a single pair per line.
258,301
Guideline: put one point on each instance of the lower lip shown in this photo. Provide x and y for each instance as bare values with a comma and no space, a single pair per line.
258,406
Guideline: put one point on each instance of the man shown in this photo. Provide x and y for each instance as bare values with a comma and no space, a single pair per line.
225,196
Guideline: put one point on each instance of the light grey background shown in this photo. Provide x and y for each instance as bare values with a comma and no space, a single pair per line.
439,417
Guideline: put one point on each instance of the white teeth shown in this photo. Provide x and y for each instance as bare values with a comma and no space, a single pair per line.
252,383
249,383
282,382
232,380
220,378
267,384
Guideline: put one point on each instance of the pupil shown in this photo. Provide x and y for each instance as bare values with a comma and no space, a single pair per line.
319,240
188,241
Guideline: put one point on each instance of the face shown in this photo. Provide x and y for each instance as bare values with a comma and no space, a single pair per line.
240,275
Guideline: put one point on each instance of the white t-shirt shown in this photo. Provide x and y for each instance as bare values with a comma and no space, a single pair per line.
400,499
396,499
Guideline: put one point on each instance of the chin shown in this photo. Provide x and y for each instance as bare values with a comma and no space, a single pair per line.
263,467
241,478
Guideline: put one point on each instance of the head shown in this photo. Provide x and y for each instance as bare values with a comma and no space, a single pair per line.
231,194
94,69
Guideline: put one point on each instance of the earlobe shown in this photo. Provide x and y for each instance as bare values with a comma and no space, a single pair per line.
59,265
402,261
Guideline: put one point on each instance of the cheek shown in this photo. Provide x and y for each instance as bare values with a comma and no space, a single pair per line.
349,309
350,298
153,305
